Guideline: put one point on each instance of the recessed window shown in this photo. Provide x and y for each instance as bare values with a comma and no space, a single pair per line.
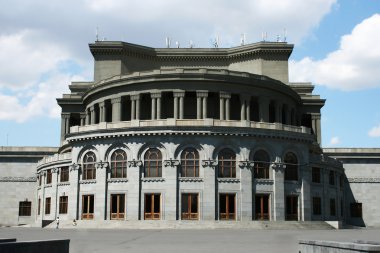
63,203
189,206
262,207
227,206
89,171
332,177
47,205
356,210
190,163
48,176
332,207
39,207
152,207
153,163
261,167
25,208
64,177
291,170
119,164
291,207
117,206
316,175
87,207
226,163
317,208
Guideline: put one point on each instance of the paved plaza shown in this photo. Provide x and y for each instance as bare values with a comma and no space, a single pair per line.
170,240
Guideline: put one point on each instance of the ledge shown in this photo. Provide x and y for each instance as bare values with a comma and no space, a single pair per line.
63,183
18,179
153,179
228,180
91,181
117,180
190,179
263,181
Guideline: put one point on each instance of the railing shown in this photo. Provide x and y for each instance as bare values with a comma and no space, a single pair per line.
54,158
190,123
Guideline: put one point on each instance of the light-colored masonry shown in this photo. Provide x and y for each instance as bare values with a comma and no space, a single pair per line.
190,134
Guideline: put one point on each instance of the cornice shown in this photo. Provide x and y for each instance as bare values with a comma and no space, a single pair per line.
18,179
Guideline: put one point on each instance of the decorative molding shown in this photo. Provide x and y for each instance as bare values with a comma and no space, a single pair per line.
91,181
278,167
117,180
74,166
18,179
47,186
153,179
247,164
293,182
171,163
228,180
363,180
63,183
134,163
101,165
264,181
55,170
209,163
190,179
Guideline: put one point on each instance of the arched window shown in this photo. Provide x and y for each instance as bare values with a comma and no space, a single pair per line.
291,163
89,171
119,164
190,163
226,163
261,167
153,163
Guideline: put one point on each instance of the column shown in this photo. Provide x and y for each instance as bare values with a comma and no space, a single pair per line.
82,118
264,109
179,104
278,191
204,107
102,110
242,109
65,117
246,190
209,203
67,124
175,107
88,116
138,102
316,125
221,108
199,107
158,99
170,194
248,109
182,106
73,192
135,106
116,109
133,196
92,113
154,112
228,104
133,109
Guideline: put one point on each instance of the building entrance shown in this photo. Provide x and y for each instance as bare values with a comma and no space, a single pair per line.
291,208
117,206
189,206
152,208
262,207
87,207
227,206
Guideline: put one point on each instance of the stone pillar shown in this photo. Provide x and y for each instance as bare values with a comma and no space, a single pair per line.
133,109
116,109
248,109
227,101
65,118
305,192
316,125
158,107
82,118
204,107
138,103
92,113
73,192
170,174
101,192
209,194
153,109
88,117
221,108
242,110
246,190
179,104
199,107
279,191
54,197
133,196
264,109
102,112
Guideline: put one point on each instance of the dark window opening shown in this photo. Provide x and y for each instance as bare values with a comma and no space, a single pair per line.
63,203
332,207
190,163
291,208
119,164
64,176
317,206
227,207
89,171
356,210
261,164
49,176
153,163
126,105
272,112
117,206
226,163
87,207
291,170
262,207
213,105
25,208
316,175
145,107
235,107
47,205
254,110
167,105
331,177
152,208
189,206
190,105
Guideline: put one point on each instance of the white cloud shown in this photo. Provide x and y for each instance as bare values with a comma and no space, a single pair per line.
334,140
354,66
375,131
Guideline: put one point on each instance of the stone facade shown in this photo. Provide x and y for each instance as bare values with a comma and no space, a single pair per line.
190,134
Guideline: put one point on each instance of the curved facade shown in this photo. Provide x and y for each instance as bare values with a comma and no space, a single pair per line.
190,134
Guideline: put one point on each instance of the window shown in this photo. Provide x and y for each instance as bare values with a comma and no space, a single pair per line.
356,210
291,170
153,163
291,208
40,180
341,181
332,207
317,208
316,175
48,176
262,207
87,207
64,177
39,207
227,208
332,177
63,202
117,206
89,171
119,164
47,205
261,169
189,206
226,163
152,208
25,208
190,163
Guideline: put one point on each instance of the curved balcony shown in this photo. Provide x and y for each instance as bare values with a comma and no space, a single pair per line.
54,160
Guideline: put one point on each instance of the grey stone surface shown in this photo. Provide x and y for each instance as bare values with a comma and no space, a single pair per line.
311,246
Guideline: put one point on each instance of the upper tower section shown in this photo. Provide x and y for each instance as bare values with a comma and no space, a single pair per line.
115,58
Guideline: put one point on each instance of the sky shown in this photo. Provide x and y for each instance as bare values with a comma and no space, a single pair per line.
44,46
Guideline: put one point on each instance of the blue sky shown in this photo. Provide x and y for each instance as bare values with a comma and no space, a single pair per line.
44,46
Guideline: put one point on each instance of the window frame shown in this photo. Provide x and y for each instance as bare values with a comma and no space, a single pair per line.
89,170
49,176
185,160
331,177
356,210
317,206
291,169
117,165
332,207
25,208
226,163
153,163
316,175
64,174
63,204
47,205
261,166
187,198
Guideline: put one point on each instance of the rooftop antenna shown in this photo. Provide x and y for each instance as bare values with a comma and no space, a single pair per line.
264,36
216,42
278,39
177,44
284,34
168,42
97,33
191,44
